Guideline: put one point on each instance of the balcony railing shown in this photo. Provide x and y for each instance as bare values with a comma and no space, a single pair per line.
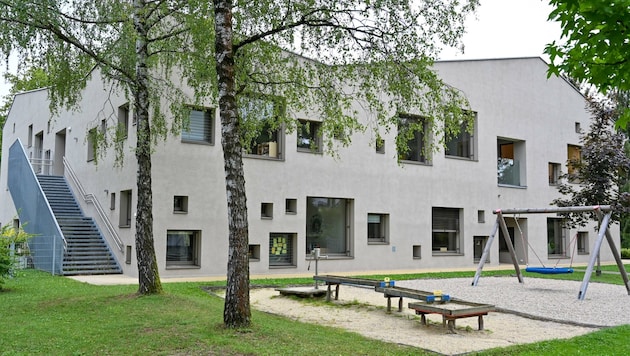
509,172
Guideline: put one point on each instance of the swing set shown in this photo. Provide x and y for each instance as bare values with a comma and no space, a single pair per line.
542,269
603,212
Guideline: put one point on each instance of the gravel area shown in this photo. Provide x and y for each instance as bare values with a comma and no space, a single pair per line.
539,309
604,305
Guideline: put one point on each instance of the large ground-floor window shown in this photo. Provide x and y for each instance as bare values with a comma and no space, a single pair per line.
328,225
446,230
182,247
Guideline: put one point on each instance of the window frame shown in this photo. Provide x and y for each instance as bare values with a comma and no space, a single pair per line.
471,139
572,171
439,228
383,229
421,153
180,204
559,225
192,135
123,121
194,249
313,135
126,204
555,171
324,234
272,147
91,144
282,250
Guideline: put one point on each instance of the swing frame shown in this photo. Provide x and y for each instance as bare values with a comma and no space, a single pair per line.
603,212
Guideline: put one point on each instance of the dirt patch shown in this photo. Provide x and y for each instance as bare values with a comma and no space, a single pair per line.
364,311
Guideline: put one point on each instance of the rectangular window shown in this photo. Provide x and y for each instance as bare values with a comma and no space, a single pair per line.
416,251
511,162
261,116
554,173
200,127
463,144
378,228
290,206
556,237
182,248
574,159
266,210
103,129
180,204
309,136
281,250
91,144
30,135
380,145
328,225
253,253
123,121
413,136
125,208
112,201
481,216
582,243
446,230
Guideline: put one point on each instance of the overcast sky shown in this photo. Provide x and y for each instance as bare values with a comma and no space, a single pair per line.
501,28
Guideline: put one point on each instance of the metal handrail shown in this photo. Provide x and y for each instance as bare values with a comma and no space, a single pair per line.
91,198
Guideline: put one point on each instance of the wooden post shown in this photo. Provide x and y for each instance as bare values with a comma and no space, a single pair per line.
486,252
508,242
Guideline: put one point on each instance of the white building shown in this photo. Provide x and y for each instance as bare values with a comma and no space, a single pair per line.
364,210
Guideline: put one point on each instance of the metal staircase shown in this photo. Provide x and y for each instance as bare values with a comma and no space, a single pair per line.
86,252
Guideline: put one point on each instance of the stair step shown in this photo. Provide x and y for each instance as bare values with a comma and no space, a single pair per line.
87,252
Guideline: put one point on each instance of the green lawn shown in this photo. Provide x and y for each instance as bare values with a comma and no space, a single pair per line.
51,315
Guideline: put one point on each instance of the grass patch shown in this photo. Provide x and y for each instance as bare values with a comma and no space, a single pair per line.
52,315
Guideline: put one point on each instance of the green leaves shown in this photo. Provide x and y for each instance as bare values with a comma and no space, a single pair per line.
596,40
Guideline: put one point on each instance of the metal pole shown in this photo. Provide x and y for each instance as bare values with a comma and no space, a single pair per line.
615,252
591,264
486,252
54,250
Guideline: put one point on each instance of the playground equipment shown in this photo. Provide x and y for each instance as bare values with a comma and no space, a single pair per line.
603,212
434,302
544,269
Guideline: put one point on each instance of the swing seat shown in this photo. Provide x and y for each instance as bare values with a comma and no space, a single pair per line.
549,270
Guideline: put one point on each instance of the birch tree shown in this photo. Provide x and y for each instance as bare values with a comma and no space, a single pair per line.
344,54
133,45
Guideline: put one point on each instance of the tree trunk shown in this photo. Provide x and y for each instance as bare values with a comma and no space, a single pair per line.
237,312
148,274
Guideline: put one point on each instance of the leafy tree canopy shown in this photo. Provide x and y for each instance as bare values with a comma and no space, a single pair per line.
596,44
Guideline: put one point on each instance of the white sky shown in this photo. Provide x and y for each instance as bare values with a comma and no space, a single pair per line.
501,28
507,28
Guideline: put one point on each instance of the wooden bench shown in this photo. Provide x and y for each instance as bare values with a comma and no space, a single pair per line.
452,311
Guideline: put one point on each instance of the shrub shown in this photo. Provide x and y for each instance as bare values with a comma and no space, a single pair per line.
13,243
625,253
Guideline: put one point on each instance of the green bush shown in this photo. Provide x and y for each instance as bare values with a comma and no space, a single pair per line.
11,239
625,253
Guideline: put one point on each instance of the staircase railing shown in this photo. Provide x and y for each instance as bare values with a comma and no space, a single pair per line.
91,199
48,244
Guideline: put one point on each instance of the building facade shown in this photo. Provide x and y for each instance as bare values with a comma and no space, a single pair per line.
365,209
